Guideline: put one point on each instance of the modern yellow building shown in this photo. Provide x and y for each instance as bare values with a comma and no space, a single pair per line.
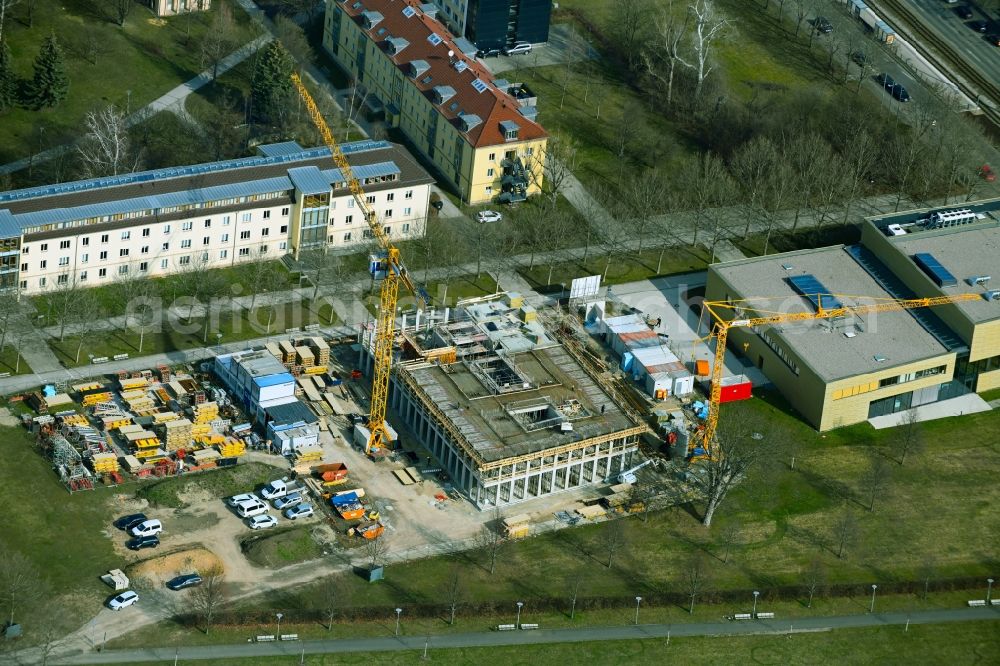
843,371
480,138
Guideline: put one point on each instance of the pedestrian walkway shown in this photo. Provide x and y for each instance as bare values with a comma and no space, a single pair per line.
541,636
726,251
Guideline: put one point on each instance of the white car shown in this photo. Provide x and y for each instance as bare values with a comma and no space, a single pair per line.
251,508
123,600
485,216
299,511
262,522
239,499
147,528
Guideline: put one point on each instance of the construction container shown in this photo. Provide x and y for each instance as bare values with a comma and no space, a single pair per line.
331,474
348,506
735,388
701,367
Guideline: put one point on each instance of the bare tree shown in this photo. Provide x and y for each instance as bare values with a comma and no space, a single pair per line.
696,578
613,538
813,578
752,166
741,444
262,275
130,288
801,11
555,171
626,132
845,532
573,587
207,598
708,26
491,539
120,9
219,40
663,52
64,303
876,478
19,580
927,571
106,149
909,435
293,37
87,315
643,198
631,16
454,591
5,7
376,551
729,537
323,268
332,594
10,308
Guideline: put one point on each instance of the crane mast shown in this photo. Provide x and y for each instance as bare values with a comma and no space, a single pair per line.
738,319
395,273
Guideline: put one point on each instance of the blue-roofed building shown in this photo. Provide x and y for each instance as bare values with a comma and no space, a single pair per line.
284,201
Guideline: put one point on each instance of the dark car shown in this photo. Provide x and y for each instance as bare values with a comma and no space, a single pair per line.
129,521
487,53
994,40
138,543
979,26
899,92
822,24
886,81
437,204
185,581
860,58
965,11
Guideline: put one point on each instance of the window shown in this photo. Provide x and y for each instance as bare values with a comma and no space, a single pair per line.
530,152
186,243
263,249
164,263
126,235
64,245
102,273
350,203
388,213
62,279
185,260
166,246
143,266
284,229
284,211
83,276
223,254
166,228
244,252
145,232
103,256
123,252
187,226
246,217
282,245
347,237
43,264
123,269
208,223
406,227
408,195
24,268
45,246
204,256
225,238
407,211
85,241
24,250
207,240
84,258
244,235
387,229
265,231
493,157
390,196
41,282
104,239
64,261
225,221
349,219
489,190
370,199
267,214
489,173
144,250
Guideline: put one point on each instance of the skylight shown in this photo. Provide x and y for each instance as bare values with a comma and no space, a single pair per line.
480,85
409,11
434,39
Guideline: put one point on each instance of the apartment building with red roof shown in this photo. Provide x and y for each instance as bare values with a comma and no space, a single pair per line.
479,137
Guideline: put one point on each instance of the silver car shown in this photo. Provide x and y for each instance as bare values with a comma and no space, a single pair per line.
291,499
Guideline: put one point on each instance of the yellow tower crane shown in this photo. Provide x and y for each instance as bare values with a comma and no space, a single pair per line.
753,312
395,273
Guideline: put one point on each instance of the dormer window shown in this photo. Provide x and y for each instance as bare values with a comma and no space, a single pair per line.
396,44
371,19
418,67
510,130
443,93
468,121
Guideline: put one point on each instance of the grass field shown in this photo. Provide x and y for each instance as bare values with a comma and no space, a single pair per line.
282,547
220,483
9,362
149,56
956,643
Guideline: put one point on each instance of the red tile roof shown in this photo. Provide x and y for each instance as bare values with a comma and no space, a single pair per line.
492,106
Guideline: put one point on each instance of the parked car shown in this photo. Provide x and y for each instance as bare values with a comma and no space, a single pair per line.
184,581
979,26
277,488
291,499
994,40
822,24
437,205
138,543
964,12
239,499
860,58
885,81
123,600
520,48
127,522
900,93
485,216
147,528
487,53
263,521
299,511
251,508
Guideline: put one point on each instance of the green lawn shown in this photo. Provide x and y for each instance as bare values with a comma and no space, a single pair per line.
10,362
220,483
148,57
280,548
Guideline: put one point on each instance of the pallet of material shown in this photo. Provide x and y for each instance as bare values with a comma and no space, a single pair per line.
206,412
403,477
232,448
87,386
319,383
163,417
162,394
274,350
75,419
131,427
151,454
105,463
176,388
591,512
112,422
287,351
321,350
311,393
305,357
177,434
315,370
133,383
308,453
334,404
205,455
414,474
130,463
92,399
58,399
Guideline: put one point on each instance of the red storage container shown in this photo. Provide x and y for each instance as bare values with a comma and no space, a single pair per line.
735,388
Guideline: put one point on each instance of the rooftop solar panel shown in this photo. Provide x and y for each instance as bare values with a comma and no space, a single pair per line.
813,289
928,264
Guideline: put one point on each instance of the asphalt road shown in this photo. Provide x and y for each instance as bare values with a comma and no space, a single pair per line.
486,639
969,44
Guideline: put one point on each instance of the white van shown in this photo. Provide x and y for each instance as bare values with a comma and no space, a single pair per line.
251,508
147,528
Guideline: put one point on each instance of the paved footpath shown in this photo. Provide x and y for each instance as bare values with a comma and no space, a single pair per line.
543,636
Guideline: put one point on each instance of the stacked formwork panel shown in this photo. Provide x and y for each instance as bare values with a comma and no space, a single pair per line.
177,434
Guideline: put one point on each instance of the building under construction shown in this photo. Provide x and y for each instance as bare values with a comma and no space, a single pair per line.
508,411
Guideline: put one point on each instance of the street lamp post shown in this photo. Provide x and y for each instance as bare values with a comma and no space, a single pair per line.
279,616
517,623
989,588
637,600
398,611
756,594
872,608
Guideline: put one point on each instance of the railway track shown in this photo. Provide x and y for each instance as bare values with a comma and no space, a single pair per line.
972,82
